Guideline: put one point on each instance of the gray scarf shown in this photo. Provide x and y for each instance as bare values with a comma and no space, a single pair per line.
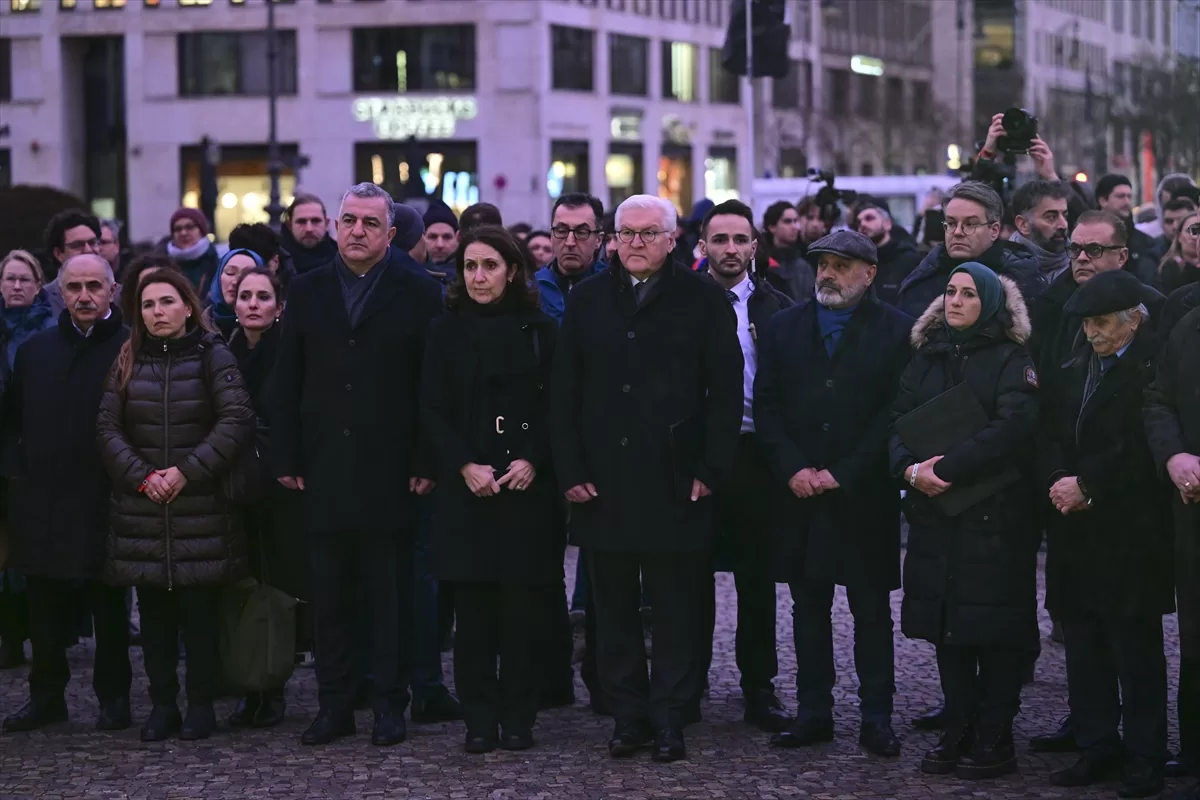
1052,263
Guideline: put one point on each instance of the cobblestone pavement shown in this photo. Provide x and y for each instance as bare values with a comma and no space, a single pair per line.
727,759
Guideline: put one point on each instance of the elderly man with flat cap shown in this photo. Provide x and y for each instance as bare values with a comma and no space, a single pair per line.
828,370
1113,548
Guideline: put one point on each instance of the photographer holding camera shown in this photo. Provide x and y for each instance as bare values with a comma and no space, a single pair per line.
1015,131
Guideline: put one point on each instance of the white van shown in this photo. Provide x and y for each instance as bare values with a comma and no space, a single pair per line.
904,194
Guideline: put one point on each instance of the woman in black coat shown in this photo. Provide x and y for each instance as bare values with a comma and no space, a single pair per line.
498,525
970,579
174,416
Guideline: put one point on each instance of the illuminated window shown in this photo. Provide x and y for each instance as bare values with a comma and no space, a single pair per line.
195,2
680,64
720,174
234,63
569,167
675,175
243,185
623,173
25,5
420,59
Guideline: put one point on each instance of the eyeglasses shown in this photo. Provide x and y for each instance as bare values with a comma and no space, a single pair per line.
80,246
1093,251
1193,230
582,233
626,235
18,280
968,227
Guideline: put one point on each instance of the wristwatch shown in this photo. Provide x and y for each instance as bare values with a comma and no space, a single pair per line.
1083,489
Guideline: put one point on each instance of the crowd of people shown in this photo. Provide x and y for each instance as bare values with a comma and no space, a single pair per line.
403,419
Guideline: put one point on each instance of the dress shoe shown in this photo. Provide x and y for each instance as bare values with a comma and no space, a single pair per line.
36,714
628,737
1086,771
879,738
1177,767
247,707
480,743
163,722
1141,778
199,723
992,755
804,734
516,739
1061,741
389,729
438,707
669,746
12,654
765,712
114,715
328,727
932,720
954,744
271,711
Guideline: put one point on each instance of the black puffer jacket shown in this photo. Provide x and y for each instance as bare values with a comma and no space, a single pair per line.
971,579
185,406
927,282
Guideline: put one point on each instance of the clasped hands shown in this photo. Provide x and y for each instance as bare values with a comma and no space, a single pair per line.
1067,496
482,481
810,482
164,485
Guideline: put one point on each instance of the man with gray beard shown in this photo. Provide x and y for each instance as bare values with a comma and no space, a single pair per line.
828,370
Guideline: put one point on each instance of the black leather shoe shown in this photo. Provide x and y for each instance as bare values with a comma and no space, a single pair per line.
992,755
880,739
943,759
270,712
1086,771
1061,741
12,654
516,740
669,746
932,720
1141,778
804,734
328,727
389,729
765,712
247,707
114,715
480,743
199,723
628,737
34,715
441,707
163,722
1177,767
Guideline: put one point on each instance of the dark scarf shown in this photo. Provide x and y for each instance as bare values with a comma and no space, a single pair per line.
832,322
305,259
498,331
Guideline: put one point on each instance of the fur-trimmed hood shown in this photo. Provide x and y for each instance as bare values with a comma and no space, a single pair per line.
934,318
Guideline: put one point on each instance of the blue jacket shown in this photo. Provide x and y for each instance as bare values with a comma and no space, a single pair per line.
553,301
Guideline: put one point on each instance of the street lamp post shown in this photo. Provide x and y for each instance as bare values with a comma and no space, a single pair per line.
274,162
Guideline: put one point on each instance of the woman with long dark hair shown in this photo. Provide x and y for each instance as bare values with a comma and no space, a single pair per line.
499,532
174,417
133,274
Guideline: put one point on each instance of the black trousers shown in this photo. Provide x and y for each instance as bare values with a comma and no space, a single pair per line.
982,685
1188,709
743,518
52,605
504,622
191,611
874,650
557,645
674,582
362,587
1117,673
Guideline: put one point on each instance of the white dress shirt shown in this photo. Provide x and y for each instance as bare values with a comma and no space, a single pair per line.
749,350
88,333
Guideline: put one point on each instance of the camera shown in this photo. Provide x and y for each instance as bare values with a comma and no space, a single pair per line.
828,198
1020,129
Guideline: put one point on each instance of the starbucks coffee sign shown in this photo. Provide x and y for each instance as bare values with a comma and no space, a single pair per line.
414,117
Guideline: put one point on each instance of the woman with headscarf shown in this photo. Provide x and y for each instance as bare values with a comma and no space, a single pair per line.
220,314
970,579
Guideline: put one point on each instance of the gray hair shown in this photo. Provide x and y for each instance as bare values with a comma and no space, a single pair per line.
108,272
649,202
981,193
1126,316
113,225
369,191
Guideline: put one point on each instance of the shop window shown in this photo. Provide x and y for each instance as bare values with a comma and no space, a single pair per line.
243,186
675,175
568,168
721,174
623,173
418,172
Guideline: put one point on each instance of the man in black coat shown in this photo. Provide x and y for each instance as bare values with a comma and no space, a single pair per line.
648,404
1113,547
828,372
898,255
973,213
1172,415
60,496
743,508
1114,194
306,233
344,433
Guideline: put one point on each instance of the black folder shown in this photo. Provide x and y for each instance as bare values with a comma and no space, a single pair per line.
946,420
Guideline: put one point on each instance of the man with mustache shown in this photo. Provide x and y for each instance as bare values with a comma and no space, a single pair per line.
828,370
1040,208
61,495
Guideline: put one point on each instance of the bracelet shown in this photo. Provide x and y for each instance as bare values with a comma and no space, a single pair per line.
912,479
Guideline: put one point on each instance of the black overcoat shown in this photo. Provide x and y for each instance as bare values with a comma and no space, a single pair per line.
1116,555
1172,414
645,400
813,410
971,579
344,401
488,402
60,491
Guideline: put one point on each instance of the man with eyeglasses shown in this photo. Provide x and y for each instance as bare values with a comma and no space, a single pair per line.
69,233
110,243
575,236
647,407
973,214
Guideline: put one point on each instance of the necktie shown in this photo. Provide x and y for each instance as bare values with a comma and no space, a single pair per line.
732,295
1107,363
639,291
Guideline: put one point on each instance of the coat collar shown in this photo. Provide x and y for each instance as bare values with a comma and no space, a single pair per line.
101,330
1130,367
934,319
391,279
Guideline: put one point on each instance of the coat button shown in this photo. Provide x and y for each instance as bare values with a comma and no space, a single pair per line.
829,384
352,343
347,387
625,388
631,334
624,442
826,426
985,518
346,432
524,426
